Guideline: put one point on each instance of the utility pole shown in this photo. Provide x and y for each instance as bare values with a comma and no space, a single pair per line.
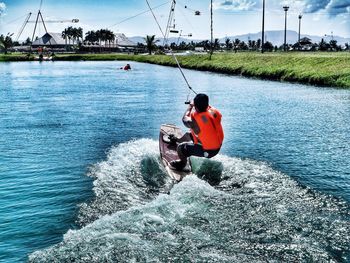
300,17
285,8
211,29
263,29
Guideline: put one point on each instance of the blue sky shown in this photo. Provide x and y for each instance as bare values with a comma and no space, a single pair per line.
231,17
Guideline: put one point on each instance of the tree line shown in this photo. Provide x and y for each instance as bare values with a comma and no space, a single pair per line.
99,36
75,36
72,34
251,45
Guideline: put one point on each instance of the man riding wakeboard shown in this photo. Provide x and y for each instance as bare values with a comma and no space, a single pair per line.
206,134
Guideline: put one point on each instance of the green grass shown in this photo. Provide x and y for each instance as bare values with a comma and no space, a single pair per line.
15,57
322,69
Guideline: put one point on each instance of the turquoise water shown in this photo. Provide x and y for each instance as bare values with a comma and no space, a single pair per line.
81,179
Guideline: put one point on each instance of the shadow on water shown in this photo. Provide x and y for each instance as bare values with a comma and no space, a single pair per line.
154,177
207,170
211,171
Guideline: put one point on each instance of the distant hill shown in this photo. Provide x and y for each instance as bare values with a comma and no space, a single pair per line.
276,37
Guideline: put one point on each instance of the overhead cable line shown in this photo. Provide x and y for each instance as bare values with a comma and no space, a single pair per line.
196,12
172,53
16,19
23,26
134,16
184,16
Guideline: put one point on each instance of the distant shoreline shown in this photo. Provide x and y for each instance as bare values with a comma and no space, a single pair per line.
319,68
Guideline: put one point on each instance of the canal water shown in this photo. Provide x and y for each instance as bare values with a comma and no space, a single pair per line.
81,179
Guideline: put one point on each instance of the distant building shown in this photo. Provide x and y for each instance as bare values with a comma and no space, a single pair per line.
51,40
199,49
55,42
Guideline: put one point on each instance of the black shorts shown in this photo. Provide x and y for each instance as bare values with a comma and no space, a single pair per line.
190,149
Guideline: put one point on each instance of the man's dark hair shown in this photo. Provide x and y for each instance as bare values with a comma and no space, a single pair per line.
201,102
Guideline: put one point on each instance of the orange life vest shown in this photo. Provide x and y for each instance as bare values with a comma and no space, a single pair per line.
211,134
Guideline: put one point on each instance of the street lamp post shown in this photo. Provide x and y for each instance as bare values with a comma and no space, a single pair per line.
285,8
263,29
300,17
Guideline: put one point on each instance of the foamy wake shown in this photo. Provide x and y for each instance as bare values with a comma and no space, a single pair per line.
131,175
243,211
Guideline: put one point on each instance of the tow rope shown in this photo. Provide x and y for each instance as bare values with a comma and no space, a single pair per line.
172,53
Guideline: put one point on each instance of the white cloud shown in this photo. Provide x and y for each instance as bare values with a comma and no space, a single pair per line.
235,5
331,7
313,6
338,7
2,8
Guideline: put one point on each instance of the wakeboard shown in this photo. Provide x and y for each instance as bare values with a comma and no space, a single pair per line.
167,147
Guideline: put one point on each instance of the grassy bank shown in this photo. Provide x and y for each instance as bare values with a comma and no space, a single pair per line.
323,69
15,57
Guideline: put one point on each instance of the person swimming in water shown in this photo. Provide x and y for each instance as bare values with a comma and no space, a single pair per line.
127,67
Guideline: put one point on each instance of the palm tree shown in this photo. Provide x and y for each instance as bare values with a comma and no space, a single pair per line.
333,44
98,37
69,33
243,46
182,46
102,36
28,42
258,43
228,43
324,45
250,44
268,46
254,45
206,45
173,46
74,34
192,45
216,44
6,42
110,36
65,35
151,43
91,36
79,33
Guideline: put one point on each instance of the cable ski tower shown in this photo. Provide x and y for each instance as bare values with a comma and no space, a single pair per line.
39,15
40,20
169,26
23,26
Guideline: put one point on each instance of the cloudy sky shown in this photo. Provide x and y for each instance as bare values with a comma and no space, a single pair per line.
231,17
